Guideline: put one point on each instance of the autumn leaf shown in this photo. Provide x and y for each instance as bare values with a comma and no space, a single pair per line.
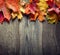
13,4
33,1
52,6
56,10
42,5
41,17
1,17
30,8
22,9
33,17
16,8
57,3
18,15
5,11
52,18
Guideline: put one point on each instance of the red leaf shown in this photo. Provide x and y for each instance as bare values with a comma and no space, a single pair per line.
31,8
1,17
33,17
50,3
34,1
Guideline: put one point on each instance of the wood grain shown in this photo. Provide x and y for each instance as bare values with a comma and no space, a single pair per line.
50,46
9,37
27,37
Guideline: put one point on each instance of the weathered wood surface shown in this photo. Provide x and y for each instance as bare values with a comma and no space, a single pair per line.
29,38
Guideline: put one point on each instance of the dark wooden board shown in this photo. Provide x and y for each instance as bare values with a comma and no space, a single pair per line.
27,37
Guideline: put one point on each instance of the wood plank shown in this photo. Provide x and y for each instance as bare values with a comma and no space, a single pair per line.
58,36
22,33
9,37
30,37
35,37
49,39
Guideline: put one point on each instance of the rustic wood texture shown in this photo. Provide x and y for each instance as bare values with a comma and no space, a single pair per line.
9,38
27,37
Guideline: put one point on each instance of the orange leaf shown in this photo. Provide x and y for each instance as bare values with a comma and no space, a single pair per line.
41,17
57,3
4,10
13,4
33,1
2,2
6,13
27,11
30,0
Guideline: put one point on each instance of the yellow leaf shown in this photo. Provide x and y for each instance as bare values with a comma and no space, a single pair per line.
42,5
22,9
19,16
52,18
14,15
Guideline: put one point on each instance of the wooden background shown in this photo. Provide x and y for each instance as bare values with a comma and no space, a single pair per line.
29,38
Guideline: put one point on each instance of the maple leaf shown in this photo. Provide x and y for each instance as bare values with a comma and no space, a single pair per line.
30,8
13,4
52,18
52,6
50,3
54,10
42,5
35,1
1,17
16,7
18,15
57,3
41,16
5,11
33,17
33,10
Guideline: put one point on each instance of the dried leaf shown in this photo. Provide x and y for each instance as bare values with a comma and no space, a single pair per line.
13,4
5,11
1,17
33,17
41,17
56,10
14,15
30,8
22,9
18,15
57,3
52,18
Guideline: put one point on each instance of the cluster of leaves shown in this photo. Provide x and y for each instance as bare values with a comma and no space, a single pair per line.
36,9
53,14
